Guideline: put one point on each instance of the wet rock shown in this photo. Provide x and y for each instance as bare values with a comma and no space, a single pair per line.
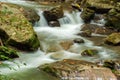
89,52
99,6
87,14
77,69
15,29
7,53
92,28
66,44
78,40
113,39
53,14
57,55
54,23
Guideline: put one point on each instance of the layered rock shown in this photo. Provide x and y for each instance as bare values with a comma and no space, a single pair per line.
100,6
15,30
77,69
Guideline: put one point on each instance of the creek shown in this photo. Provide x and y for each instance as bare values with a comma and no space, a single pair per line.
25,67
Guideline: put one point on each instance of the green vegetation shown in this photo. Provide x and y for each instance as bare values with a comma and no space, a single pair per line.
7,53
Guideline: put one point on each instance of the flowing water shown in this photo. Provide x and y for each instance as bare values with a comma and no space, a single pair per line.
25,67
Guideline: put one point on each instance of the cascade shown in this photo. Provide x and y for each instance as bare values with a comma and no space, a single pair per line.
70,26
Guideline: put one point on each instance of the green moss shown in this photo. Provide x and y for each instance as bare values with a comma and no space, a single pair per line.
7,53
4,77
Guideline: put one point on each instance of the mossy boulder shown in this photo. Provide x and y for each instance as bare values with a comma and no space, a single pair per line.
7,53
69,69
89,52
15,29
100,6
87,14
113,18
113,39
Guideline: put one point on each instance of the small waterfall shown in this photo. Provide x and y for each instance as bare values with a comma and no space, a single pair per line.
71,18
42,22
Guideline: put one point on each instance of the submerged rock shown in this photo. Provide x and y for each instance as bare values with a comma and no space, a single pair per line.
77,69
56,46
7,53
15,30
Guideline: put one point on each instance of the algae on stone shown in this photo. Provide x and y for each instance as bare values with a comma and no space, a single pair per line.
7,53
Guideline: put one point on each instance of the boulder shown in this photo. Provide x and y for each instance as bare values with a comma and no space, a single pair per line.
7,53
69,69
92,28
113,39
15,29
113,18
89,52
100,6
87,14
54,13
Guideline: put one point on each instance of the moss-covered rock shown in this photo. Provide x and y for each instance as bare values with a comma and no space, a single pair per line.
87,14
89,52
7,53
100,6
15,30
76,69
113,39
113,17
